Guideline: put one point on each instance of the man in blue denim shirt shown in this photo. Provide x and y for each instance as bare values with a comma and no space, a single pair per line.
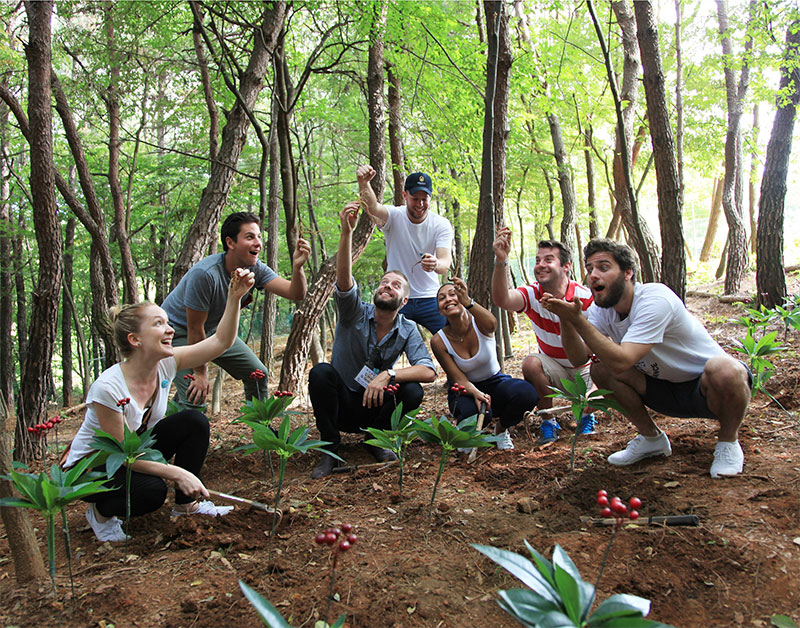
350,394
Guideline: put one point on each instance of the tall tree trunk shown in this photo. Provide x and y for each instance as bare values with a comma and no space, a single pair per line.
305,319
20,291
564,169
7,361
215,195
129,289
770,278
753,178
678,94
397,155
713,221
44,313
270,311
205,81
591,198
670,198
66,316
731,189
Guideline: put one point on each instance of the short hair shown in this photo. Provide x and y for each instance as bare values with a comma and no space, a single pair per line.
127,319
233,224
407,289
623,254
564,254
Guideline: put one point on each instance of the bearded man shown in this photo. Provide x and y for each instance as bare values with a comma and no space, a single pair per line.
351,393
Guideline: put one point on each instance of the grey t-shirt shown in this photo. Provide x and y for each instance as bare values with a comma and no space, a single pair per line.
205,289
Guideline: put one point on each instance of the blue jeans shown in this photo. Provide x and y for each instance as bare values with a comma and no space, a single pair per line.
424,311
511,399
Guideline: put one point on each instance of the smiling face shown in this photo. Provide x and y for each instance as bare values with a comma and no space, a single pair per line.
549,271
154,334
244,250
392,292
417,205
607,281
447,300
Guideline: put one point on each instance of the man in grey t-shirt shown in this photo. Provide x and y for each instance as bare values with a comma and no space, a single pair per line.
196,305
351,393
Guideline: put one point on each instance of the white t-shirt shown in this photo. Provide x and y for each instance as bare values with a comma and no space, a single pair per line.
107,390
480,366
406,241
681,345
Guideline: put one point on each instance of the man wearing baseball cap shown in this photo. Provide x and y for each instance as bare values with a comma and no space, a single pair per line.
418,242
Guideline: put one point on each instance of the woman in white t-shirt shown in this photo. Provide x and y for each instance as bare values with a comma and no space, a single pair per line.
136,391
465,347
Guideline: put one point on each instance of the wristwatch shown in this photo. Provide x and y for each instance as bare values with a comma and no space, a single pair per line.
471,304
391,374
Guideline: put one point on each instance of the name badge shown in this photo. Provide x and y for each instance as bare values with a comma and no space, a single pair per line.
366,375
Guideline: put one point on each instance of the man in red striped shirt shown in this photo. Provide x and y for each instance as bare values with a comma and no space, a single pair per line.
550,364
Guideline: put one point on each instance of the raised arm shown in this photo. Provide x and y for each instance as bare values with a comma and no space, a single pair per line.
344,256
294,290
375,210
219,342
503,296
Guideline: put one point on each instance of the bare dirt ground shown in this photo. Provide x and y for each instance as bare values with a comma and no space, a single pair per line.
737,568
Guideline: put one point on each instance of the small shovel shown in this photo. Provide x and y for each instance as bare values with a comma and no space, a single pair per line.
479,427
254,505
371,465
655,520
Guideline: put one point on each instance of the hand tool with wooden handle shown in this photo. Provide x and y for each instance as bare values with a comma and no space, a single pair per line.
479,427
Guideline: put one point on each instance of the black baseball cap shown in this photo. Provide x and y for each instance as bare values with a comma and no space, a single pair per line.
418,181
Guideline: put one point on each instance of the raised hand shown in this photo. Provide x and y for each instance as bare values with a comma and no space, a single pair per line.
242,280
502,244
349,215
461,291
301,253
364,174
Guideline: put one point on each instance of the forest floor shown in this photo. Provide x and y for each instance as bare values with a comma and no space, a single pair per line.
738,567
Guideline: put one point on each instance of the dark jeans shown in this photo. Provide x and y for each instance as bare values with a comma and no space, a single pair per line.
183,435
339,409
424,312
511,398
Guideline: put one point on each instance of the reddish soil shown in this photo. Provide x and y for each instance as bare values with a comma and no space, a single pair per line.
737,568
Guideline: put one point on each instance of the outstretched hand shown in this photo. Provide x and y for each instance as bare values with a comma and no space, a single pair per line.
568,311
301,253
242,280
502,244
461,291
349,215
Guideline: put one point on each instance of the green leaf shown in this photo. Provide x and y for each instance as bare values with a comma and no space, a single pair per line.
522,569
533,610
621,605
267,611
782,621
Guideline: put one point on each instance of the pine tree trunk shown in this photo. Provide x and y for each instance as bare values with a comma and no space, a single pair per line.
66,316
713,221
7,361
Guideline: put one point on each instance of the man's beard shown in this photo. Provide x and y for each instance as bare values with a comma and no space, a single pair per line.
389,305
612,293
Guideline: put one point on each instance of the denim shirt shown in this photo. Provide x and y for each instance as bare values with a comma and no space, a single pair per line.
356,339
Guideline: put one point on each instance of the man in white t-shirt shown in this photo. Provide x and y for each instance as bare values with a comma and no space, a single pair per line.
652,353
550,364
418,242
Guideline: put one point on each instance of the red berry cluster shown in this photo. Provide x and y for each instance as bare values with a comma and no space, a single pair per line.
458,389
339,539
392,388
258,374
123,402
616,508
47,425
189,376
282,393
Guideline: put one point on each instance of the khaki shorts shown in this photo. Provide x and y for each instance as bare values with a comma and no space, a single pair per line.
556,372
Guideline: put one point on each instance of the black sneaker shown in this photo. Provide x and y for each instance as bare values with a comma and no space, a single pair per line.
381,455
324,467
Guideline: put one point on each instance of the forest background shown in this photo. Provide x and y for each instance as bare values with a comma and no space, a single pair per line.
129,129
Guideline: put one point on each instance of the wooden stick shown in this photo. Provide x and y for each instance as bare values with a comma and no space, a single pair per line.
371,465
552,410
247,502
655,520
479,426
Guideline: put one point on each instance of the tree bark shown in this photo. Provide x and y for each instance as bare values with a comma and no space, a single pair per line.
396,153
713,221
670,198
305,319
203,230
770,277
205,81
752,179
736,263
44,313
66,316
564,170
7,361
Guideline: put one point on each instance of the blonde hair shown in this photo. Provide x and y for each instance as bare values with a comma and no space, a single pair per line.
127,319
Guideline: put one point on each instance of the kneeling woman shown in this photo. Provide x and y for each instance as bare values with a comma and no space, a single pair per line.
465,348
136,391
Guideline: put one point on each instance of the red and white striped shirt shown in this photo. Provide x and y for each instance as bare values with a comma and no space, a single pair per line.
546,325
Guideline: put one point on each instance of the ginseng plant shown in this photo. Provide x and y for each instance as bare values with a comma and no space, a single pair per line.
270,614
574,391
463,436
285,442
556,593
402,433
131,448
339,540
49,494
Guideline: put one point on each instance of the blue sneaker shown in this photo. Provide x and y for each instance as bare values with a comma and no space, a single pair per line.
548,432
587,425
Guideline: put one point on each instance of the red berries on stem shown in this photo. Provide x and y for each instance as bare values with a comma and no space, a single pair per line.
339,540
258,374
616,508
392,388
282,393
123,402
458,389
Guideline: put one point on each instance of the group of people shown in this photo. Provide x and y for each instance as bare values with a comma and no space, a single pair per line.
637,340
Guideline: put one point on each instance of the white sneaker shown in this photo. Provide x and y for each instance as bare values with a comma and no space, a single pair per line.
641,447
728,459
205,507
504,441
110,530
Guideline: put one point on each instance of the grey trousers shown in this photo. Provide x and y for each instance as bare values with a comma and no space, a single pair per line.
239,362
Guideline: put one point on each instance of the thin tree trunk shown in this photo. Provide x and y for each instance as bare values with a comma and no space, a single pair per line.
66,316
270,311
397,155
564,169
713,221
205,81
7,361
770,278
753,179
